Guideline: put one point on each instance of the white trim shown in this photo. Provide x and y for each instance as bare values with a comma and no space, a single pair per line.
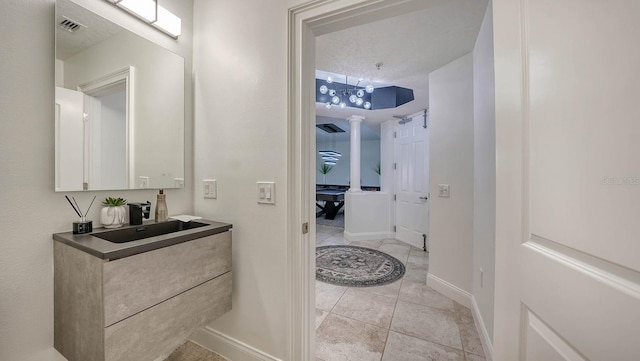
229,347
487,346
366,236
455,293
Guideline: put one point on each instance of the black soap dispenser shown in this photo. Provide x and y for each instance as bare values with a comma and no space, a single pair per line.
162,214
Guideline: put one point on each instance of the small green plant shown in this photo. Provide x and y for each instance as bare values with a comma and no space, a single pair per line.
377,169
114,202
325,169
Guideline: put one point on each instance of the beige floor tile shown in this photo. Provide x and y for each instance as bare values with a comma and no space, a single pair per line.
415,274
395,241
426,323
321,236
468,332
418,259
395,248
369,244
327,295
329,229
332,241
343,339
399,256
366,307
472,357
415,251
320,316
190,351
420,293
389,290
406,348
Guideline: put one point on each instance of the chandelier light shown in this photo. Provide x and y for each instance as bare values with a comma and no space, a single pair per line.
337,94
330,157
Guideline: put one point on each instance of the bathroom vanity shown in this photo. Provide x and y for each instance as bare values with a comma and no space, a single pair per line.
138,292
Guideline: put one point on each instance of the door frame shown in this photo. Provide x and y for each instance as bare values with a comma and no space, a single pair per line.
305,22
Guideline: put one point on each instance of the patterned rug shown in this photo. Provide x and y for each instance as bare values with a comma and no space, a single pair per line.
352,266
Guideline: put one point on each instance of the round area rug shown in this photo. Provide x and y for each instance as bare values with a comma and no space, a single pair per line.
352,266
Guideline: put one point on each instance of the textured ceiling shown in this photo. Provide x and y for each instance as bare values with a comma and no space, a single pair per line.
410,47
97,29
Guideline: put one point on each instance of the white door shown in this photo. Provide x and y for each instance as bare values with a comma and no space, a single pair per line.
412,181
568,180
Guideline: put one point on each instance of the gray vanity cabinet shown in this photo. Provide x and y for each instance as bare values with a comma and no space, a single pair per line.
139,307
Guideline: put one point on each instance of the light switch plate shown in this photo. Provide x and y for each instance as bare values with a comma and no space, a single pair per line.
267,192
210,188
443,190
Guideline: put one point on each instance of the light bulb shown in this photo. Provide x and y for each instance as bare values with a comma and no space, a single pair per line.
367,105
323,89
343,105
332,92
360,93
335,100
329,80
328,105
359,102
353,98
369,88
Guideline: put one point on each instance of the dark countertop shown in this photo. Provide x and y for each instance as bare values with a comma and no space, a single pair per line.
104,249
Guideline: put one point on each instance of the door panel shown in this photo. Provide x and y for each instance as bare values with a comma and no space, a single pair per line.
568,180
412,182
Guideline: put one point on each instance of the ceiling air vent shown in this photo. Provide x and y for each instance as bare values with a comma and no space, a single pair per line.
70,25
330,128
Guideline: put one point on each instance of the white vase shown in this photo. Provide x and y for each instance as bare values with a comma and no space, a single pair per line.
113,216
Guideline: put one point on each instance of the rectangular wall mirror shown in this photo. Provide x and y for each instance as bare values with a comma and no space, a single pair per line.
119,112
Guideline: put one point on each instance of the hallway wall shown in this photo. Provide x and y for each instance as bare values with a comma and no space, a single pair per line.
240,51
451,151
484,192
31,211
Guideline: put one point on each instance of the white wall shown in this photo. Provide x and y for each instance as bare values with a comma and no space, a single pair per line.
341,172
484,192
451,150
31,211
240,61
367,216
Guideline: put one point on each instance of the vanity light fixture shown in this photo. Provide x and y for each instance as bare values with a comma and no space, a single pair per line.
153,14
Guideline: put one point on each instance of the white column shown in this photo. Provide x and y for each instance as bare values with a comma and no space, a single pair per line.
355,121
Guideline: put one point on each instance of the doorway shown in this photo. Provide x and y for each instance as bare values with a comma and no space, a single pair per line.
313,21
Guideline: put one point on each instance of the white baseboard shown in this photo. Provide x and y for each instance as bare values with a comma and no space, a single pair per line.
453,292
366,236
482,331
229,347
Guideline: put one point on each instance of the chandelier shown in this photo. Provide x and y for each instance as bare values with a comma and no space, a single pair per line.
330,157
338,95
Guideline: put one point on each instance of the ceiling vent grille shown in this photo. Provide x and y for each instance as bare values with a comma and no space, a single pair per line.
70,25
330,128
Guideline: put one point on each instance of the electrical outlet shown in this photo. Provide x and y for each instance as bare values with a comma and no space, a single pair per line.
144,182
210,188
443,190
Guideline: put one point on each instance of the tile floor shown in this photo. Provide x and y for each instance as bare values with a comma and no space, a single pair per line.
402,321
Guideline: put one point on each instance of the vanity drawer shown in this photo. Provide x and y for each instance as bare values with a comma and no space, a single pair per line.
133,284
160,329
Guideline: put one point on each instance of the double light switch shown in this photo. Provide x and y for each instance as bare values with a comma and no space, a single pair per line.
267,192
